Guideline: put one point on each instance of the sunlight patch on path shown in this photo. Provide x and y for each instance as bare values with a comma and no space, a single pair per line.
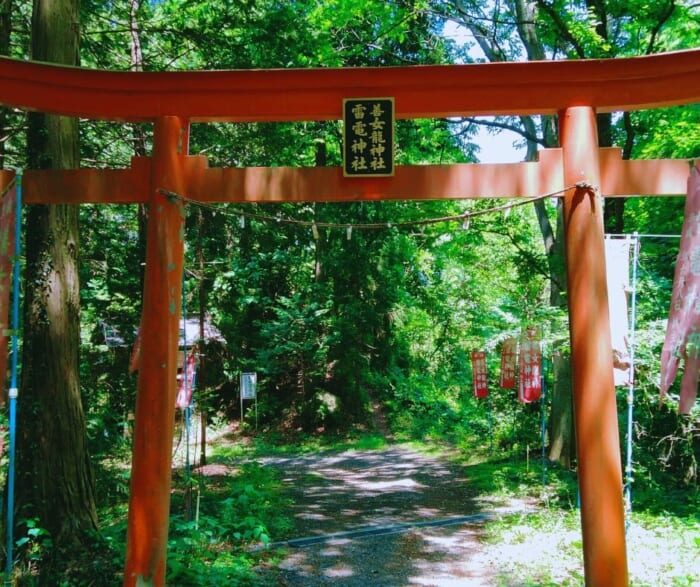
374,486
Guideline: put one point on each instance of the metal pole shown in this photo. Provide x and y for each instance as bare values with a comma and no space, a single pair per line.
630,392
543,426
488,412
187,409
595,407
13,393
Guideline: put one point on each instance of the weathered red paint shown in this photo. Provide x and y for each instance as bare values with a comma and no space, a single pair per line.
595,409
149,502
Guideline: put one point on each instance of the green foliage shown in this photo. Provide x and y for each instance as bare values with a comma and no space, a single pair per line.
544,546
199,551
220,546
33,540
110,300
334,325
236,513
668,132
255,506
297,349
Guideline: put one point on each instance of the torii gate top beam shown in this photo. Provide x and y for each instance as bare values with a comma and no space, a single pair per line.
432,91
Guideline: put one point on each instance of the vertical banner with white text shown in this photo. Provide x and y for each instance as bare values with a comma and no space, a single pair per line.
617,263
530,387
509,354
479,375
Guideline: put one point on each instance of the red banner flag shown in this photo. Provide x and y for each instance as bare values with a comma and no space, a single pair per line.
8,210
479,380
530,387
509,353
683,332
186,383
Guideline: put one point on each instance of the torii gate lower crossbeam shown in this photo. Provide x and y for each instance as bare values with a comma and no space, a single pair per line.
618,178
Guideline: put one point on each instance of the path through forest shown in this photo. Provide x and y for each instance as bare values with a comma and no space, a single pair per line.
383,518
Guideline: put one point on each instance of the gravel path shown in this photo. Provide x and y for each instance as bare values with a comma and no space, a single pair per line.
381,518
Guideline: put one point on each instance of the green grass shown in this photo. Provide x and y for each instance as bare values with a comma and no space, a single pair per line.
273,444
545,547
236,513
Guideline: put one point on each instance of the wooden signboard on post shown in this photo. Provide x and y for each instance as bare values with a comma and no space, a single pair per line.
249,384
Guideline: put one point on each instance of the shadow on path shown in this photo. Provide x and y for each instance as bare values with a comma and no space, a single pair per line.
380,518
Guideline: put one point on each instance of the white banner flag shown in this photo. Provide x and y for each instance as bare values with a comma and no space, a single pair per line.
617,262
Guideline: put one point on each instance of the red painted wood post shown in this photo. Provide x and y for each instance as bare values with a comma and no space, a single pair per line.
149,501
595,410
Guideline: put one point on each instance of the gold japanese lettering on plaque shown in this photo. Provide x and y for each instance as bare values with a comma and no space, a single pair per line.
368,147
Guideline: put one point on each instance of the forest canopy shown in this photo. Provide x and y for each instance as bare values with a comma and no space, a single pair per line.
342,324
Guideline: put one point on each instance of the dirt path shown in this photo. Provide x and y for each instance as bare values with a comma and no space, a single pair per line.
382,518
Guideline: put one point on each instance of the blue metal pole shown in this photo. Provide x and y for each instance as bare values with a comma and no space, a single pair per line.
13,382
630,392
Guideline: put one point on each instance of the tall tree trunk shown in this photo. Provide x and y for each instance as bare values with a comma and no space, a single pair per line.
55,479
562,444
562,440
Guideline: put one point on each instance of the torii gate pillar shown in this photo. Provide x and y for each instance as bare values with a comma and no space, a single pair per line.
149,500
595,409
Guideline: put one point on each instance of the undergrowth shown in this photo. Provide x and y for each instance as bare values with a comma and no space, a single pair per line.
543,546
220,527
222,524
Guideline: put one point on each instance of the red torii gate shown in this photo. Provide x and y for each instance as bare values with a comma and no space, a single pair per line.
573,90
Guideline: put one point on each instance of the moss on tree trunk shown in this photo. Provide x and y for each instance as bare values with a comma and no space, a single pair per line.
55,479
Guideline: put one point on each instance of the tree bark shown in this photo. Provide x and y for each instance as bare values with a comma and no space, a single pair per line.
562,443
55,479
